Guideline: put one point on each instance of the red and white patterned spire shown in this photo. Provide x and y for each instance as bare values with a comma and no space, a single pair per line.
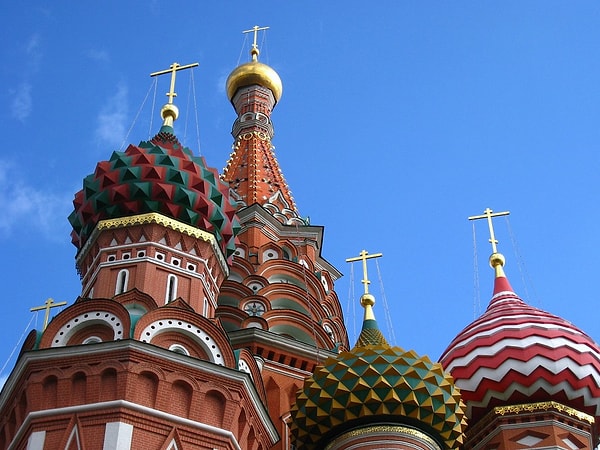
515,354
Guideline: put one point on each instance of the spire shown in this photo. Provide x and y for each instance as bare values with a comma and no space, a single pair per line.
497,259
370,333
252,171
169,111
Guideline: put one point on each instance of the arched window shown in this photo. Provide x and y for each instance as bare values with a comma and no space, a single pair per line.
178,348
171,288
122,280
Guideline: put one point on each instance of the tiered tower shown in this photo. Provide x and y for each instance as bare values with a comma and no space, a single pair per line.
529,379
279,300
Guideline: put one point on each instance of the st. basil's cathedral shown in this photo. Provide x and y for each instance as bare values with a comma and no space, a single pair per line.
208,319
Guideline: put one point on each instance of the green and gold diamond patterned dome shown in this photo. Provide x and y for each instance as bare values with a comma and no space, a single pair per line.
375,383
156,176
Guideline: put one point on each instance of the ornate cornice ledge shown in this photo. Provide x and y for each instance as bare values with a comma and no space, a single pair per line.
159,219
384,429
543,406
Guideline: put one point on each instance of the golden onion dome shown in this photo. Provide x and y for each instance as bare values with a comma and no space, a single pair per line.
254,72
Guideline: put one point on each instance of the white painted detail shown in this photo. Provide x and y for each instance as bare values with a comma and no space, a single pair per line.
244,367
61,338
36,440
177,348
74,436
569,443
529,440
122,281
171,291
188,329
117,436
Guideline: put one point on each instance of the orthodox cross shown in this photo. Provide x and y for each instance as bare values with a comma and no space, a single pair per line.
47,305
488,214
173,69
255,29
364,255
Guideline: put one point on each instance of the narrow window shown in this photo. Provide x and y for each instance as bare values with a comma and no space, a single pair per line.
171,288
122,279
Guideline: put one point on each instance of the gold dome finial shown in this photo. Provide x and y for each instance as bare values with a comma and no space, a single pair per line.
497,260
254,72
170,112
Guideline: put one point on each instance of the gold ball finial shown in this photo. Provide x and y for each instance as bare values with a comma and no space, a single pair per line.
169,113
367,300
497,259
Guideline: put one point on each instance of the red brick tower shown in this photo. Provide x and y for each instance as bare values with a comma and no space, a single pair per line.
279,300
139,361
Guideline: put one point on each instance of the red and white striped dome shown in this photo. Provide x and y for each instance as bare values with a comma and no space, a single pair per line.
515,353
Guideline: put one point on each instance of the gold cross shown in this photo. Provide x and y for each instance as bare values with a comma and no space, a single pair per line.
173,68
364,255
488,214
47,305
255,29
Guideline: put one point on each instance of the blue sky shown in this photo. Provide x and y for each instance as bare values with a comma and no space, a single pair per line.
398,121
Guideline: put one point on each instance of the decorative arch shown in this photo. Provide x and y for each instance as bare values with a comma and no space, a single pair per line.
49,391
88,319
192,328
122,281
108,384
147,388
209,346
181,398
215,402
103,314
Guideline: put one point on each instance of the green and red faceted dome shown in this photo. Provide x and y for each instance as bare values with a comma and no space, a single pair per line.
159,176
516,354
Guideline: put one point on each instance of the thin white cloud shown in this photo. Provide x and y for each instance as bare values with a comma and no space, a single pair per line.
22,103
34,52
100,56
111,122
28,207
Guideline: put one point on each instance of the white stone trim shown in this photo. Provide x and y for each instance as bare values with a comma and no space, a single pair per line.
62,337
191,330
36,440
117,436
121,404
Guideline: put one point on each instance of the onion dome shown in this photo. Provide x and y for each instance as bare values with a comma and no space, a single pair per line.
252,73
158,176
515,353
375,383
